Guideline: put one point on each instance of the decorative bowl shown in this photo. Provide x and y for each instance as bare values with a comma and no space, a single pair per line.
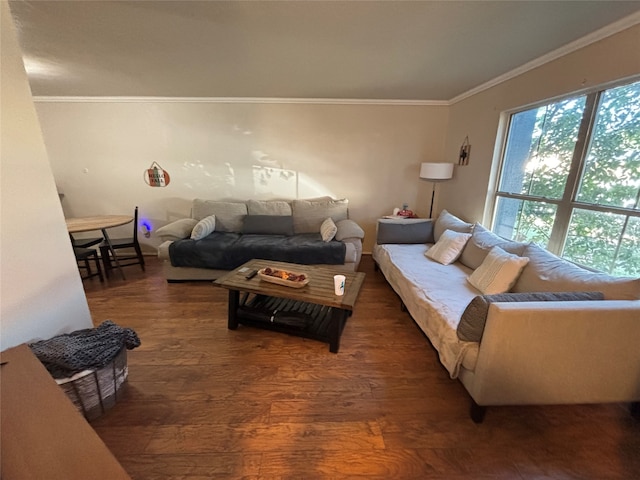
281,277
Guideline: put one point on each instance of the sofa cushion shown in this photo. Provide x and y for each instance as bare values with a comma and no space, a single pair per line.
268,207
481,242
328,230
308,215
407,231
229,215
177,230
347,228
548,273
498,272
448,248
434,294
474,317
204,227
446,221
268,225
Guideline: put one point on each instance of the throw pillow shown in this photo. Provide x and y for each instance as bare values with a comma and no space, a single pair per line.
204,227
498,272
448,248
474,317
268,225
446,221
549,273
481,243
328,230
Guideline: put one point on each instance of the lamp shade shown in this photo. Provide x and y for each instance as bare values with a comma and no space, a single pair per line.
436,171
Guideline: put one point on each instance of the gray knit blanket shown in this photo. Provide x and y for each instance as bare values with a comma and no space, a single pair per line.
91,348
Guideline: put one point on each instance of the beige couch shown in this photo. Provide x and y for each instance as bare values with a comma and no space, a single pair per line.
526,352
306,216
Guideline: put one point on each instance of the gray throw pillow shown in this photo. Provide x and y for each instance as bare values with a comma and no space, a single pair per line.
268,225
474,317
393,231
446,221
481,243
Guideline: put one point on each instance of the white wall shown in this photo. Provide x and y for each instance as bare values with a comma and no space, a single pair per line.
608,60
369,154
41,293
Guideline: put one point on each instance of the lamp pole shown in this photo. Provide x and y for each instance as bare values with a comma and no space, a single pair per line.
435,172
433,194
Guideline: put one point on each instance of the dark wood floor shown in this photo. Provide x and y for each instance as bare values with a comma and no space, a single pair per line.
204,402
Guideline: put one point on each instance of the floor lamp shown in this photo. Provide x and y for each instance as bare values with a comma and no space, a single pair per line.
435,172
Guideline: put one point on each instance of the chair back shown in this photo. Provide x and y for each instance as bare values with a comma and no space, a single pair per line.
135,225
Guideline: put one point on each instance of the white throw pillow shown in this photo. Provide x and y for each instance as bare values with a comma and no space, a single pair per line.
328,229
204,227
498,272
448,247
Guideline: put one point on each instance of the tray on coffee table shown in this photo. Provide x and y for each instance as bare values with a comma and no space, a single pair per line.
287,278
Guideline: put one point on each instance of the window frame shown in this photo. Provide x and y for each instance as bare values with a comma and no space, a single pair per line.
568,203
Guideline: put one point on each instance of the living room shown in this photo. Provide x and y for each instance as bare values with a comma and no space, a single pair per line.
94,148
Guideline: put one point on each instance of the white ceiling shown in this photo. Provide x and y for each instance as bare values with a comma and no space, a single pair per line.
384,50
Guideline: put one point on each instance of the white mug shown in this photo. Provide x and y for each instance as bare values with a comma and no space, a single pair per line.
338,283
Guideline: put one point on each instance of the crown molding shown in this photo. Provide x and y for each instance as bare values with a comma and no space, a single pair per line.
611,29
257,100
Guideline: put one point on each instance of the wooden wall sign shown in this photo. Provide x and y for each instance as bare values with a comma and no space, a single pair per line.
155,176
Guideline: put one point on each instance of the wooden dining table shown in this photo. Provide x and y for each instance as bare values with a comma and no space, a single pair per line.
102,223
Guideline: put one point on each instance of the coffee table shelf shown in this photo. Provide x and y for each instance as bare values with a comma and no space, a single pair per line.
288,316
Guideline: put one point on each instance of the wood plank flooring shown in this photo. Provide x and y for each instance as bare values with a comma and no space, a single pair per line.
204,402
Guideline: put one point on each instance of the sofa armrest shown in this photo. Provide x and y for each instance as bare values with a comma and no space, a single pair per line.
163,250
348,229
177,230
404,230
558,353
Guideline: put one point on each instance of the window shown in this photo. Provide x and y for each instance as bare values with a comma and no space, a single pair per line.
570,179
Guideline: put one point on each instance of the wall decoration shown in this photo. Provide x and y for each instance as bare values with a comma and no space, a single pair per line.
155,176
465,152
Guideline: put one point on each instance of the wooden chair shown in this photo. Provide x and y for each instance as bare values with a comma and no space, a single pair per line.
84,255
85,242
122,243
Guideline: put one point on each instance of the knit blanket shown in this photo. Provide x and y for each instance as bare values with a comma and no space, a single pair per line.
91,348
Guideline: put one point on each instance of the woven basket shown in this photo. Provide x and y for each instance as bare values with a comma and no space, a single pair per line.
93,392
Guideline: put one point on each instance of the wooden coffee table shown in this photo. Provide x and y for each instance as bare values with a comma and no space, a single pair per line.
313,311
